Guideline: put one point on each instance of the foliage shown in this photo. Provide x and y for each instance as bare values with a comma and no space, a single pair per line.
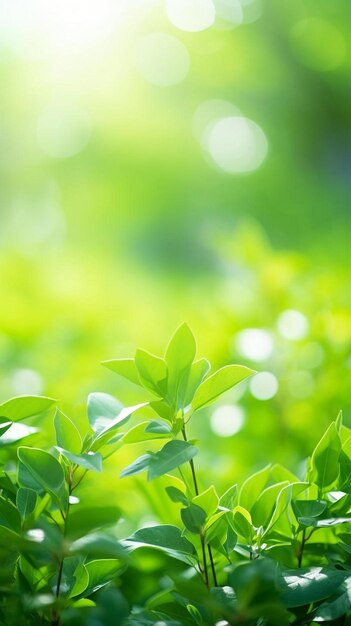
273,551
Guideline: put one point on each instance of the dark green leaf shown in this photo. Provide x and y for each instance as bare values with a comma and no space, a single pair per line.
9,516
193,518
176,495
164,537
300,587
172,455
46,471
91,461
26,501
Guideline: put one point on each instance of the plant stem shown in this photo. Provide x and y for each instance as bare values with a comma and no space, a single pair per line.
300,553
202,536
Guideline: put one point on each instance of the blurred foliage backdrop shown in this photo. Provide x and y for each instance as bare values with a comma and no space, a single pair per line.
170,160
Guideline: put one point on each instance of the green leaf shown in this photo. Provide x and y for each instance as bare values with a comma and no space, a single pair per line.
67,434
81,580
326,522
153,371
138,466
243,523
101,572
263,508
9,516
308,508
181,349
222,380
21,407
5,424
125,368
172,455
166,537
91,461
228,499
46,471
253,487
163,409
99,545
158,427
198,372
179,356
139,433
102,410
26,500
337,606
84,519
325,458
193,518
303,586
208,500
176,495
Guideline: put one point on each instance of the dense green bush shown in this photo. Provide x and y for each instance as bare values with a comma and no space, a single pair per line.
274,551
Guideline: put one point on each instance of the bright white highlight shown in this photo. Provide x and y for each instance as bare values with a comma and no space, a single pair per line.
162,59
292,325
255,344
36,534
227,420
237,145
230,11
63,130
191,15
27,382
207,113
263,386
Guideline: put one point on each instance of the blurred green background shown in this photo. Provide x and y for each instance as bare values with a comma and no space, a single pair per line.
180,160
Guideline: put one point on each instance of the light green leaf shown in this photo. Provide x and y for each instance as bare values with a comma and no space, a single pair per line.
163,409
67,434
26,501
198,372
243,523
181,349
102,410
153,371
81,581
172,455
21,407
125,368
253,487
325,458
308,508
208,500
222,380
228,499
263,507
46,471
100,572
91,461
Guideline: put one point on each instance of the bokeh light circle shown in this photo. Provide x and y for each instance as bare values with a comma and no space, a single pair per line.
292,324
263,386
162,59
237,145
227,420
255,344
191,15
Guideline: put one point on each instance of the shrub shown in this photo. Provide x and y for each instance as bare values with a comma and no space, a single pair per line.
274,551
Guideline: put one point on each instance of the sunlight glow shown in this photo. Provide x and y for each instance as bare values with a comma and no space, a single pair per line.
162,59
63,130
191,15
